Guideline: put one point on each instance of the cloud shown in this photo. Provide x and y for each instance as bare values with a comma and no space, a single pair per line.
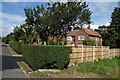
25,0
12,17
102,0
107,24
7,28
8,21
5,32
102,8
101,12
92,26
58,0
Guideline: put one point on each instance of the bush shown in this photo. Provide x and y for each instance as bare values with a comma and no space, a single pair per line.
47,57
52,42
89,42
5,40
17,46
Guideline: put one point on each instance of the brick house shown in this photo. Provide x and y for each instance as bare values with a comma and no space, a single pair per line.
76,37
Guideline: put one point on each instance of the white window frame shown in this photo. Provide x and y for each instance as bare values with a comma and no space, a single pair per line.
80,44
69,38
97,38
81,37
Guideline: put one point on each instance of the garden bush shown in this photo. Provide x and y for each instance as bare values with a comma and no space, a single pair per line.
17,46
47,57
89,42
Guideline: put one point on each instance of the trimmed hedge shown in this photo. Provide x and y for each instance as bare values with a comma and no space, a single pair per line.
17,46
46,57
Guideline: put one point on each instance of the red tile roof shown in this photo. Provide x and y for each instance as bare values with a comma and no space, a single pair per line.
72,33
91,32
88,31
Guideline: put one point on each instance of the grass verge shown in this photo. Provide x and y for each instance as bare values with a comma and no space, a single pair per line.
11,50
24,67
107,67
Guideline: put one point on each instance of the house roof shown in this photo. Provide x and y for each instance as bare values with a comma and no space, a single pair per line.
91,32
72,33
88,31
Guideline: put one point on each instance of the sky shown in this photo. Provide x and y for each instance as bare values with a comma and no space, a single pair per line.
12,14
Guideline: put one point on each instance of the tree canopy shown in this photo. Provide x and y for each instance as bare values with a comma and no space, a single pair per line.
53,19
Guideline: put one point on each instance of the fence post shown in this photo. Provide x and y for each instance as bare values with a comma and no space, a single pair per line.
114,52
86,53
102,52
108,53
93,53
82,55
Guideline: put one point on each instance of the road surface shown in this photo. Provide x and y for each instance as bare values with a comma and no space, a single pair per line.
10,69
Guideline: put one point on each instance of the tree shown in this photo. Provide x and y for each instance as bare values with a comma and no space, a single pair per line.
103,31
53,21
114,28
65,15
30,24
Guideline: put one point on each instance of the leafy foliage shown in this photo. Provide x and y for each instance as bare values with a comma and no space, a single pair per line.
114,28
16,46
89,42
8,38
46,56
53,21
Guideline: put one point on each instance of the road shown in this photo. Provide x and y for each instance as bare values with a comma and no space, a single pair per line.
10,69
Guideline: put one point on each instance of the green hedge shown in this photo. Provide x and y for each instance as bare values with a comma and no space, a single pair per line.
40,56
89,42
17,46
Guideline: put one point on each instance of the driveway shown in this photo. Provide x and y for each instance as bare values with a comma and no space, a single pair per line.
10,69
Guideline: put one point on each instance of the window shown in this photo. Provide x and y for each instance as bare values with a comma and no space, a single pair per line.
68,44
81,37
69,38
97,39
80,44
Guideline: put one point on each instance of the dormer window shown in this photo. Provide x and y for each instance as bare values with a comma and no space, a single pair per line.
81,37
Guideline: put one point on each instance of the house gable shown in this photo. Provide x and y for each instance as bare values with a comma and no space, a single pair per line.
86,34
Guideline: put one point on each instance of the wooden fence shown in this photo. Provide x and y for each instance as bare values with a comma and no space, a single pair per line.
91,53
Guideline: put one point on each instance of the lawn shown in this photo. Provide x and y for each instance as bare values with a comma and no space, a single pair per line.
106,68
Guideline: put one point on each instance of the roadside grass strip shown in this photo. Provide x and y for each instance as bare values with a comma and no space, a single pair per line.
26,69
12,51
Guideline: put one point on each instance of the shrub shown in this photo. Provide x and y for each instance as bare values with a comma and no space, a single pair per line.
17,46
40,56
5,40
89,42
52,42
65,42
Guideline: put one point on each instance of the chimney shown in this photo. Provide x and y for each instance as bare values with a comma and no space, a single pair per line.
88,27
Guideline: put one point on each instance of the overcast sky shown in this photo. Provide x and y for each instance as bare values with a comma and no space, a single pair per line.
12,13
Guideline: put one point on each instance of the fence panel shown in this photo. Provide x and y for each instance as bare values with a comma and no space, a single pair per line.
91,53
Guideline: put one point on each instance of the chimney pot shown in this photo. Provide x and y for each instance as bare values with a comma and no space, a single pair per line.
88,27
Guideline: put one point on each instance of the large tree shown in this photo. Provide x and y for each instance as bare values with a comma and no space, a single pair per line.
56,18
114,28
